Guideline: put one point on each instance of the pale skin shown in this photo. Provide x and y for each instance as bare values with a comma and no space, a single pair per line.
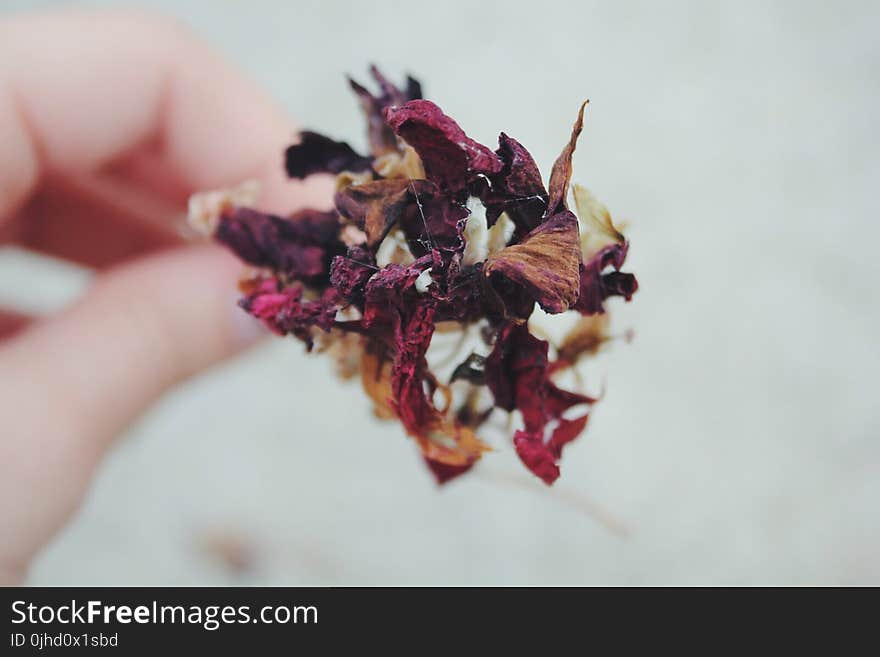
108,122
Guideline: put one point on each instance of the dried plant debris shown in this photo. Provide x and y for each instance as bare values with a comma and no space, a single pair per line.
437,241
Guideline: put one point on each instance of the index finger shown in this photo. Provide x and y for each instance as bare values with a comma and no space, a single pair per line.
79,90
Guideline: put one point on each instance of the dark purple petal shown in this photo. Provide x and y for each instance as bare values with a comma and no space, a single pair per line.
316,153
517,189
596,286
517,372
300,247
381,136
349,274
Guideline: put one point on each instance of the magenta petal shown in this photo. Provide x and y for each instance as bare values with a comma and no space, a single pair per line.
536,456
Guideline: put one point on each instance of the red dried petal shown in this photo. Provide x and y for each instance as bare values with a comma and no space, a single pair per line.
536,456
318,263
451,158
444,472
517,373
564,433
517,189
349,274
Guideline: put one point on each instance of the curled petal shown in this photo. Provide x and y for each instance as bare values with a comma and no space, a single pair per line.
381,136
596,286
517,189
451,158
546,263
560,176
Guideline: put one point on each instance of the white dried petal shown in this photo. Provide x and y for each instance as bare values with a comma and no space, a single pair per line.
475,234
205,208
394,249
424,281
499,234
353,236
597,229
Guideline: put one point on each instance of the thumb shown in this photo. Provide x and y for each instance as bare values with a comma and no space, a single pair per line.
70,384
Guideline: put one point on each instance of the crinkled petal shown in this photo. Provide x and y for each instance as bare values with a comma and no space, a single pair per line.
375,207
451,158
381,136
596,286
517,372
517,189
349,274
300,247
564,433
284,310
597,229
546,263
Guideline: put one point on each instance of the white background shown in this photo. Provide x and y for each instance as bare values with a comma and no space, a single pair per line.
739,439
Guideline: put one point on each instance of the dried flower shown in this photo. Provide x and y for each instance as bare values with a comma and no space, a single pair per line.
432,234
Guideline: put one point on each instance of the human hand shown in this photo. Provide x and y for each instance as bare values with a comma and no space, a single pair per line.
108,121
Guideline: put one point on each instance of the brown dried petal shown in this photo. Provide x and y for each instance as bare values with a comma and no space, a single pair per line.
561,174
376,379
375,207
585,338
546,263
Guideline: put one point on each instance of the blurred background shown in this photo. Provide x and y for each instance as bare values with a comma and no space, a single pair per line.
739,438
